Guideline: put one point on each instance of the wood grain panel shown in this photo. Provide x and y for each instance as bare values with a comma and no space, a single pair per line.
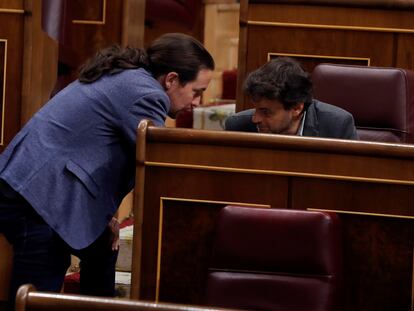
339,166
88,11
404,54
187,239
11,5
384,199
332,15
88,27
11,30
167,183
378,250
387,4
190,166
309,61
94,37
327,29
378,263
5,267
327,44
375,46
3,60
133,23
39,56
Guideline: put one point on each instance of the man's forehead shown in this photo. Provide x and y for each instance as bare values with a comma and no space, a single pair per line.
265,103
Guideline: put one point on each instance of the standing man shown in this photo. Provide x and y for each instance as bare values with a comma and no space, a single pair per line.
282,94
65,173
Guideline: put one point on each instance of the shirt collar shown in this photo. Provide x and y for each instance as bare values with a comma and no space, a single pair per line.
302,125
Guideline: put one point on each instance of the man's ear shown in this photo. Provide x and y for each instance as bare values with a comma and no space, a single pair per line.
298,109
170,79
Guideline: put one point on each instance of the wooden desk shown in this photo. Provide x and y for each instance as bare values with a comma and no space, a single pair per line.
6,255
184,177
359,32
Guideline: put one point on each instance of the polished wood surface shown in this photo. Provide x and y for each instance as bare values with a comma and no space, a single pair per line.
90,11
133,27
399,4
174,16
5,267
184,177
374,33
85,27
11,47
40,54
28,64
29,57
28,299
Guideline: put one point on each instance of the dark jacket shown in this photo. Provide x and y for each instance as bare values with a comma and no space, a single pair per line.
322,120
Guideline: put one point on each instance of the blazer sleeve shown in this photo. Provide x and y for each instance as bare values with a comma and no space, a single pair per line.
349,129
153,106
241,122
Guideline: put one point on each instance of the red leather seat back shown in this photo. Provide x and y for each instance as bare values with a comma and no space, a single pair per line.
274,259
380,99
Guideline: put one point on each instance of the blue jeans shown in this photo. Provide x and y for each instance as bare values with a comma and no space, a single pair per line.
41,257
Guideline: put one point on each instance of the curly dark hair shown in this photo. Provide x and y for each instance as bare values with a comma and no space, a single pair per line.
281,79
171,52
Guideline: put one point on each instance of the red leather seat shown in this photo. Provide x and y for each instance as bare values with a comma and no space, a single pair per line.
275,259
380,99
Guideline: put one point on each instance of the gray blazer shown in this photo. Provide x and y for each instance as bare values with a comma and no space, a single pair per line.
74,161
322,120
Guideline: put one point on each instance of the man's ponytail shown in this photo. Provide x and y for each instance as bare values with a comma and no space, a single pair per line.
112,60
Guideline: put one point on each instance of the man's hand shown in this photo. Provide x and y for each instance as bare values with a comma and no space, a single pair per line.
114,226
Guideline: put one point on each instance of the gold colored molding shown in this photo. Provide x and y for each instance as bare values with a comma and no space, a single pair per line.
332,27
280,173
412,285
92,22
215,202
360,213
157,290
3,99
12,11
367,59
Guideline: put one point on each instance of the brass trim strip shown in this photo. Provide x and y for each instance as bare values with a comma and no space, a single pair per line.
158,277
12,11
360,213
412,285
92,22
281,173
3,99
367,59
159,247
216,202
333,27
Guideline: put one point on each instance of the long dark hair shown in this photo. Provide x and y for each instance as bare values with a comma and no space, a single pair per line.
171,52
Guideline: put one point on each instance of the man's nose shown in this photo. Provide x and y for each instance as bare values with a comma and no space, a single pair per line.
196,101
256,118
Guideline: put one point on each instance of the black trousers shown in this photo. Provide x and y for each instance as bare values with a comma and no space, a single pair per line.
42,258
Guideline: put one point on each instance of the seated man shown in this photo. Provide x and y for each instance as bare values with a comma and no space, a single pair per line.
282,94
